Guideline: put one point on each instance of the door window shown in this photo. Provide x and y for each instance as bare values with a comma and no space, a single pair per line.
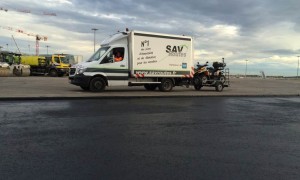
114,55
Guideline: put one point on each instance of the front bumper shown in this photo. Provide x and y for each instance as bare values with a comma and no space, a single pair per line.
63,70
80,80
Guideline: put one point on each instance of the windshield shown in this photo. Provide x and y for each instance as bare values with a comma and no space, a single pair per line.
9,58
97,55
56,59
64,59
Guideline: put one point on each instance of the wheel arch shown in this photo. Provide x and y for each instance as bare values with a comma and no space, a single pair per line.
172,79
102,76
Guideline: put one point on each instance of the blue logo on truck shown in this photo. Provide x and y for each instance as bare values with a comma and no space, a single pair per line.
184,65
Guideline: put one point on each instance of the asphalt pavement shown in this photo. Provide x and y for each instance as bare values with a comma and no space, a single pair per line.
42,87
151,138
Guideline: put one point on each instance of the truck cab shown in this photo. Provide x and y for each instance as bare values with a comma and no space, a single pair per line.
102,64
57,65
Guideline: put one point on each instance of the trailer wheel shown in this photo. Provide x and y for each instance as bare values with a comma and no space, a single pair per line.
219,86
97,84
222,79
53,73
166,85
150,87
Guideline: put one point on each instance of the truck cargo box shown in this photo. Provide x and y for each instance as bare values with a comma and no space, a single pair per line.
160,55
33,60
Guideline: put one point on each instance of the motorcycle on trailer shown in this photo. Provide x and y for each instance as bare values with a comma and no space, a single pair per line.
216,76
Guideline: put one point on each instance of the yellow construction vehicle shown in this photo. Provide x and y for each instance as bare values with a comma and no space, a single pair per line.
10,65
53,65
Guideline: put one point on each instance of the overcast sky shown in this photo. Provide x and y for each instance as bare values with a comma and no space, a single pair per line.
264,32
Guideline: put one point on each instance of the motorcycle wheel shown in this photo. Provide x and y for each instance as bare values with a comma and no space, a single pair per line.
197,83
222,78
203,78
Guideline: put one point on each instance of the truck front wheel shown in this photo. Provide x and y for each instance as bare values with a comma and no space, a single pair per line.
97,84
53,73
166,85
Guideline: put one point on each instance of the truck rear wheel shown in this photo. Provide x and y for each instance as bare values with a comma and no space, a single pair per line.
97,84
53,73
166,85
150,87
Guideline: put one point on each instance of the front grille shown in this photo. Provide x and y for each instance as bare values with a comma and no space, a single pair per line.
72,71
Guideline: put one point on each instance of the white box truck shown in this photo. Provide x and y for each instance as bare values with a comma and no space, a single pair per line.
135,58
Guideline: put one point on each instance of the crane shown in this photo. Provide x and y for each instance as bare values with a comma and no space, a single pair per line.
37,37
27,11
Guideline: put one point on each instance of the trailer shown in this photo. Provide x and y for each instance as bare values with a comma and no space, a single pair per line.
216,76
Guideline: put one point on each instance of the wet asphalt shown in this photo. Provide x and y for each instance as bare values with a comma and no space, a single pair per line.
151,138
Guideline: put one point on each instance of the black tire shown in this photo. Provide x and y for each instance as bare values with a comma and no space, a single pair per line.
219,86
53,73
222,78
85,88
197,83
197,87
97,84
150,87
166,85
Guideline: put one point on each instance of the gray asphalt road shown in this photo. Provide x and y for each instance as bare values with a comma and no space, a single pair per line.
151,138
47,87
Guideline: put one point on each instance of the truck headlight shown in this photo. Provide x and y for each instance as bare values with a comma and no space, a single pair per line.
81,70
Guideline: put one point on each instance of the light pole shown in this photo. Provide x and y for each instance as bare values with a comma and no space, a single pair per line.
94,29
47,49
7,47
29,48
298,67
246,69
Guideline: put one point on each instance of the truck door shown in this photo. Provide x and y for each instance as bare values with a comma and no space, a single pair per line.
116,64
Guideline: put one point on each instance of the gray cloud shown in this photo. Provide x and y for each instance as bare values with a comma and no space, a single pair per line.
282,52
257,22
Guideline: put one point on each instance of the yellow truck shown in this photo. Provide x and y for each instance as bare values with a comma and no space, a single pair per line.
53,65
